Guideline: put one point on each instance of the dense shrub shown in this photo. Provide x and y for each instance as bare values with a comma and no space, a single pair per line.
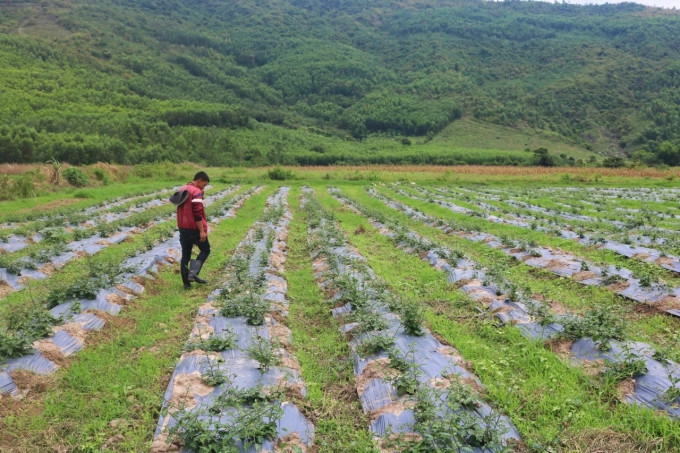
279,174
75,177
162,169
613,162
22,186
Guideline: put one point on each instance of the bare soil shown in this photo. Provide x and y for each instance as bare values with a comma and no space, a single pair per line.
616,287
396,408
560,346
291,443
5,289
558,308
625,388
50,351
185,390
583,275
664,260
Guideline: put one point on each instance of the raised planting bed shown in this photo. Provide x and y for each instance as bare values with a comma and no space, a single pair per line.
238,387
60,246
15,236
416,390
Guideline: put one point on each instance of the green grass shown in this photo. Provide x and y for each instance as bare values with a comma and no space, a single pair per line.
123,372
539,391
643,326
470,134
322,351
597,256
73,270
78,199
124,369
136,353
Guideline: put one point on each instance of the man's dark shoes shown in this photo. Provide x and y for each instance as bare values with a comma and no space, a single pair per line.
185,277
194,269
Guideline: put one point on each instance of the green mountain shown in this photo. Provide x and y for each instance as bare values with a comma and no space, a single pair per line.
321,82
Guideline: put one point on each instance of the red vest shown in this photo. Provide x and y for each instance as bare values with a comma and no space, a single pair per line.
191,211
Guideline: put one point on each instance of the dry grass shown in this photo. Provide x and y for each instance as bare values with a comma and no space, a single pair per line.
578,174
586,172
18,169
474,172
610,441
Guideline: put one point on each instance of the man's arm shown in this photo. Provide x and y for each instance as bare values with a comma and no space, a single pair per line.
199,214
203,235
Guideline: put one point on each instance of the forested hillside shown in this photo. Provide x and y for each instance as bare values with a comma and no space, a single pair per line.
320,82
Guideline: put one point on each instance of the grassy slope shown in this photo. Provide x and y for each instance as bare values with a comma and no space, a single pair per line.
471,134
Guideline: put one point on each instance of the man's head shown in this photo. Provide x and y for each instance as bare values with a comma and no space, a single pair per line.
201,180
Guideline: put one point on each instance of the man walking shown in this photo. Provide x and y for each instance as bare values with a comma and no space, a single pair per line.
193,229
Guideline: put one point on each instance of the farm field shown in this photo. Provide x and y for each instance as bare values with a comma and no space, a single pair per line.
347,309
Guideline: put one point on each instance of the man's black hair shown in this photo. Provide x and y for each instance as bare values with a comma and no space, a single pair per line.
203,176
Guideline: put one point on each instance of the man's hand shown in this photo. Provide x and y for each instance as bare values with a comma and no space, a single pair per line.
203,236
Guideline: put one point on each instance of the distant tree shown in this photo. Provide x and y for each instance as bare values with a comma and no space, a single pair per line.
644,157
669,154
614,162
542,158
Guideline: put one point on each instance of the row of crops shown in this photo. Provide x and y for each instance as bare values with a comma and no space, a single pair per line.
57,325
236,385
655,380
34,249
476,319
409,382
643,233
644,288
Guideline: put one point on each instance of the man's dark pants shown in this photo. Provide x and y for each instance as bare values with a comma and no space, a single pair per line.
187,239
